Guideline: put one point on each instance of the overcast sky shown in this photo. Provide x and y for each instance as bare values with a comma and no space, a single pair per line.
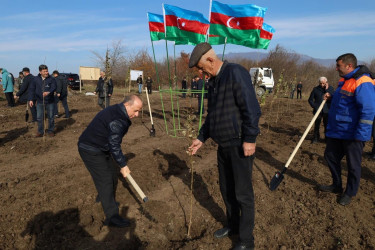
63,33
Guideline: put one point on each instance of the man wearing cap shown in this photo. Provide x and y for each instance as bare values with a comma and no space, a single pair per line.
232,122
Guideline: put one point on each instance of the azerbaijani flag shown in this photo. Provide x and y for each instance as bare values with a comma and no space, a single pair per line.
241,24
184,26
216,40
156,25
266,34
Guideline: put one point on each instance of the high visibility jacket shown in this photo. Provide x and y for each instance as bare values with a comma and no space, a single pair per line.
353,107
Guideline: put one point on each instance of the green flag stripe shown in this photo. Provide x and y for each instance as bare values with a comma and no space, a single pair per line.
248,35
174,33
156,36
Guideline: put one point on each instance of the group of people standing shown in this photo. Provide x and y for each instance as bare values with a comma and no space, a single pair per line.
232,122
40,93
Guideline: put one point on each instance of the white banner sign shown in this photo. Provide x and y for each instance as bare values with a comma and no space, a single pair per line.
134,74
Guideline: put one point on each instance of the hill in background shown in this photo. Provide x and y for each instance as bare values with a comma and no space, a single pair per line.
258,56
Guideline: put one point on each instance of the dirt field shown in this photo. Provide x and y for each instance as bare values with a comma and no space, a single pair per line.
47,197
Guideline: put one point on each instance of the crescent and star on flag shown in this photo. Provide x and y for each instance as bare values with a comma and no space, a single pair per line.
229,20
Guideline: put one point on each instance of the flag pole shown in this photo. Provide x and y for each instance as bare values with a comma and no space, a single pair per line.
153,52
166,47
225,43
175,68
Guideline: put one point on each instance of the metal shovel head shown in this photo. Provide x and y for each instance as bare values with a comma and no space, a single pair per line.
277,179
152,131
27,116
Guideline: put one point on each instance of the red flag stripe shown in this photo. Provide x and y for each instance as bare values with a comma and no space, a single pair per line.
156,26
241,23
187,25
265,34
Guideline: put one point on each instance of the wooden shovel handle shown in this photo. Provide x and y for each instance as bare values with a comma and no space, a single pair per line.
306,132
137,188
149,106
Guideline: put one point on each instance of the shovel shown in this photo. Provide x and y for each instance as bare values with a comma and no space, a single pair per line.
279,176
152,130
27,112
137,188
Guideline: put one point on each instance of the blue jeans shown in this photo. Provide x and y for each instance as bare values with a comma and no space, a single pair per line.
140,88
40,117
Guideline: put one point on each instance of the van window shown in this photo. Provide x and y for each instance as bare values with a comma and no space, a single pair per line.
268,73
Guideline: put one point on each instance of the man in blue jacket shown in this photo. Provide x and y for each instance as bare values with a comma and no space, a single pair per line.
232,122
100,149
350,120
8,86
42,89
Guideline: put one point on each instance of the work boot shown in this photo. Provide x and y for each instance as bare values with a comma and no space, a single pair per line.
345,200
117,221
330,189
223,232
38,134
243,246
51,134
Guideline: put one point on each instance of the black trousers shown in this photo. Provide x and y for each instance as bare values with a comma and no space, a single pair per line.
149,89
299,92
235,178
10,99
317,124
104,173
336,149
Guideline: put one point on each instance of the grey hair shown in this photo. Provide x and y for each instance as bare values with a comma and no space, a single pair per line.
322,78
129,99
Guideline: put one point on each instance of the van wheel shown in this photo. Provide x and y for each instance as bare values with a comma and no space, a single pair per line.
260,91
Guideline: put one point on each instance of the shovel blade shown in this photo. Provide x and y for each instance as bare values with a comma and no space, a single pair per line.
277,179
152,131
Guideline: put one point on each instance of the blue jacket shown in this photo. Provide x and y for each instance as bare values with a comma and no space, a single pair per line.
38,86
353,107
7,81
105,132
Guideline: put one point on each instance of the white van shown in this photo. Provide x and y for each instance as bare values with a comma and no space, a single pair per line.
262,79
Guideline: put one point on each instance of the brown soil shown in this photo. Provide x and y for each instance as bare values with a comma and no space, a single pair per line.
47,197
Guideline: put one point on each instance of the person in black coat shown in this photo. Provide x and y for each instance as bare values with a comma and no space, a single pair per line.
200,86
100,149
315,99
61,93
184,87
232,122
104,89
149,85
23,93
299,90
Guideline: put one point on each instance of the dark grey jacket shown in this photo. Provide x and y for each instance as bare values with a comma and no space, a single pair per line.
233,110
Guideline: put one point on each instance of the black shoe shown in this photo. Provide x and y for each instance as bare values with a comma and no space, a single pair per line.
314,141
223,232
66,117
117,221
372,156
331,189
242,246
345,200
57,116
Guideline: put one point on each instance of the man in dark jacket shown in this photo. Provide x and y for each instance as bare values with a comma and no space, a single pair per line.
350,121
184,87
100,149
42,89
61,93
200,86
149,85
232,122
140,83
23,93
315,99
299,90
104,90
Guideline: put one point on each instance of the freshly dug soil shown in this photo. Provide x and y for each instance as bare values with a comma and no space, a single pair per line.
47,197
